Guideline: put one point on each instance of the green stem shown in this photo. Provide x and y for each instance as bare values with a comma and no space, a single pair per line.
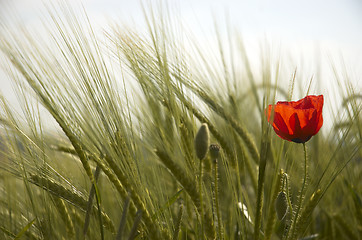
90,203
190,187
301,196
201,203
216,180
271,211
260,190
99,214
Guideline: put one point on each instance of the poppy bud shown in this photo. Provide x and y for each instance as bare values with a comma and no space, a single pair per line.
214,152
281,205
202,141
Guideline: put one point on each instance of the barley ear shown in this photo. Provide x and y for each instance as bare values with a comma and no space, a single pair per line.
64,214
202,118
178,222
190,188
59,191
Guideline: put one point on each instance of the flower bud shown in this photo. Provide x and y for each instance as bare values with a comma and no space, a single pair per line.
214,151
202,141
281,205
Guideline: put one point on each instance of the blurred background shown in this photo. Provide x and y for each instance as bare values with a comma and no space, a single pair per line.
310,36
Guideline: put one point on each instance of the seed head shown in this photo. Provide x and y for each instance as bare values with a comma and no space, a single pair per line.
202,141
214,151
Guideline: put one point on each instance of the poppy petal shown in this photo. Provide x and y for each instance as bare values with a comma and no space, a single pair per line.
297,121
280,126
294,124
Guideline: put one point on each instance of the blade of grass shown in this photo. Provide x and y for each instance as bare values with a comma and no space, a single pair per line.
23,231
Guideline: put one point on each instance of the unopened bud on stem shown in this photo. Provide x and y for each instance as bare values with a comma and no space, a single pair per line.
202,141
214,151
281,205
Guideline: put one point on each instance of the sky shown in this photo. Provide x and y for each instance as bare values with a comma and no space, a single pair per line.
310,30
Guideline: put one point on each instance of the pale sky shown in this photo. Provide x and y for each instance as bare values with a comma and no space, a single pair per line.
308,30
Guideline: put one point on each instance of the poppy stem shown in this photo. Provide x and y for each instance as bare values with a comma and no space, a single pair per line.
201,203
217,209
301,196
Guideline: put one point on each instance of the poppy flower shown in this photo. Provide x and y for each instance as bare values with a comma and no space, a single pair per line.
297,121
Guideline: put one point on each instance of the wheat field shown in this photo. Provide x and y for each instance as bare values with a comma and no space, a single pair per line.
150,138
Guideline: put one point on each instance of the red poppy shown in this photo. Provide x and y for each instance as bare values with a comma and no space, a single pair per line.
297,121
